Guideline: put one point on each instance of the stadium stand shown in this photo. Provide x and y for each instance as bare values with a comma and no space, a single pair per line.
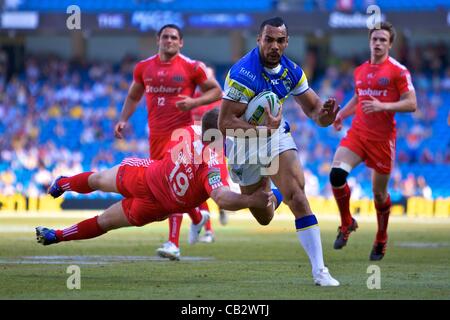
128,6
205,6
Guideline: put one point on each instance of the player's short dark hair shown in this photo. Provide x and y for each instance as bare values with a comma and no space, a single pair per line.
210,120
385,26
172,26
274,22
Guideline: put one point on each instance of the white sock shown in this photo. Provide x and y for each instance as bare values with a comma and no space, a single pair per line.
311,242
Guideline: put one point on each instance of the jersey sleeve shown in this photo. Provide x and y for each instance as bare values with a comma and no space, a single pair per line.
355,81
302,83
199,73
238,85
137,73
215,177
403,81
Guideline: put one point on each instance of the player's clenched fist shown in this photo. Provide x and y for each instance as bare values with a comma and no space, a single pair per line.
119,128
186,103
372,105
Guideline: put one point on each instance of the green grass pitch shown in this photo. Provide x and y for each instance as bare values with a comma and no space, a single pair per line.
247,261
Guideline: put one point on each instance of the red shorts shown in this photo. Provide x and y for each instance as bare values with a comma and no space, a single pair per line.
378,155
158,146
140,205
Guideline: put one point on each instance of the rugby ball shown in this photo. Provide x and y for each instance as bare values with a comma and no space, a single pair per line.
255,113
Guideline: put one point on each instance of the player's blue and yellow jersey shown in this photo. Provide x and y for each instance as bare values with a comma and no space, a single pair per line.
248,77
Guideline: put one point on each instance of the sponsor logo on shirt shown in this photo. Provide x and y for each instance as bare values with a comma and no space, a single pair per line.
287,84
372,92
178,78
162,89
214,178
247,74
234,94
383,81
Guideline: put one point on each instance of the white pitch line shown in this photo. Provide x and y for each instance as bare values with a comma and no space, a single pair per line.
239,216
91,260
16,229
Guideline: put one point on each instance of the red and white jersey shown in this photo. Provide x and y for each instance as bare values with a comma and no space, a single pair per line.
386,82
164,81
188,173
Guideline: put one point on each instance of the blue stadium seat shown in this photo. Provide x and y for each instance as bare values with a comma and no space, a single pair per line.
126,5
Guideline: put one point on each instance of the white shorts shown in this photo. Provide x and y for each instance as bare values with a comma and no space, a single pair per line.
249,159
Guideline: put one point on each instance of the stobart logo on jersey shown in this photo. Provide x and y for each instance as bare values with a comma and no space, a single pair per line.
162,89
372,92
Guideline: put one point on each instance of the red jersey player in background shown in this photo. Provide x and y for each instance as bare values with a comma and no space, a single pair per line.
190,172
382,87
168,80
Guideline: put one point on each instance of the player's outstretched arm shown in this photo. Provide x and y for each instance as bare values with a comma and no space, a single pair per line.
323,114
348,110
229,200
135,94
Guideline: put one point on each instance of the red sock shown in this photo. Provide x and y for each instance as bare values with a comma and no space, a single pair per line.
174,227
383,212
204,206
77,183
85,229
342,196
208,226
195,215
